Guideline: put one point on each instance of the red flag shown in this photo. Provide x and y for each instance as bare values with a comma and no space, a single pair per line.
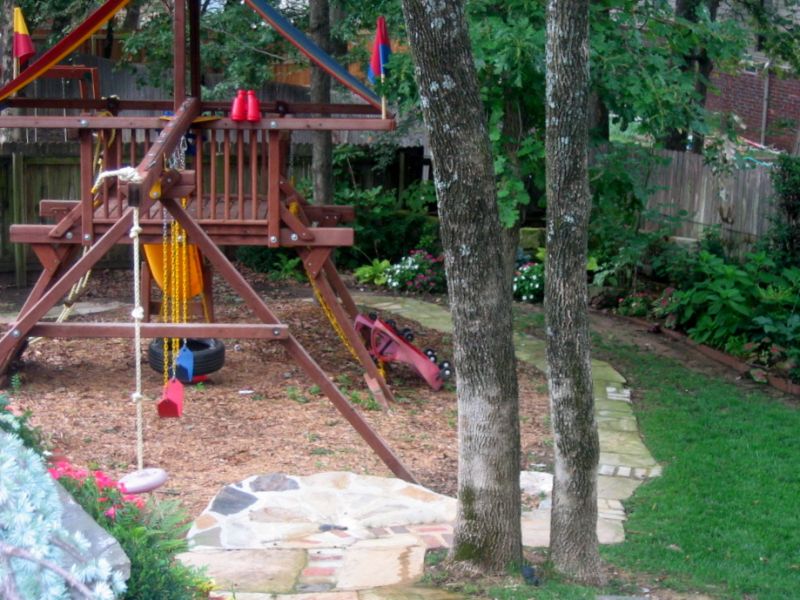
23,46
380,52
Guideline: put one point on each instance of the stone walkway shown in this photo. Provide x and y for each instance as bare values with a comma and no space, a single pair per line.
340,536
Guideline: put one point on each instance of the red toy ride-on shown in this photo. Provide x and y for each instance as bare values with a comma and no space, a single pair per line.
385,343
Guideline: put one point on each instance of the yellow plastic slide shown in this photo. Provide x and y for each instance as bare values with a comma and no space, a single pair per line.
155,260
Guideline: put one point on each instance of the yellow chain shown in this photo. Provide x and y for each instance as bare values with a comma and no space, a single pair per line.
331,317
165,299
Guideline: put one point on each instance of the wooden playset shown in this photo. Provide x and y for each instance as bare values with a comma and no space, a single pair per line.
233,190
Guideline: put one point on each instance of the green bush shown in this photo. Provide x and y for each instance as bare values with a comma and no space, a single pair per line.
375,273
783,239
279,264
529,282
383,229
639,304
731,306
419,272
150,534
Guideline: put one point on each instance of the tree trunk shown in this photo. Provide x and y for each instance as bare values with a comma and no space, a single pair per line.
573,529
701,65
132,13
322,145
487,531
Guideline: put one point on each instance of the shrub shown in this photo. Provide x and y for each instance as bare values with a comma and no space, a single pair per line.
529,282
383,228
783,240
732,306
419,272
375,273
280,264
151,535
635,305
33,543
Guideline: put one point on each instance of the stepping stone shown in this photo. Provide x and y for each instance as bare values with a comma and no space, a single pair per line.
263,571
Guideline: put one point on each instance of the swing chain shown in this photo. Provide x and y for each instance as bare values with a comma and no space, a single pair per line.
178,159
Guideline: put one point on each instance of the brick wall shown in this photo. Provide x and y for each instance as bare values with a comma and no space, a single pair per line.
743,94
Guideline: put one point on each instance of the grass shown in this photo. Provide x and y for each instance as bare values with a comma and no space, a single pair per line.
723,519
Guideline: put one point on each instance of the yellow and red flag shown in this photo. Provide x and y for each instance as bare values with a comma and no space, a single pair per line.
23,45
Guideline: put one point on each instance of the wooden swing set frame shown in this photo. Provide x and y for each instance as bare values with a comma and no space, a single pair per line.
237,193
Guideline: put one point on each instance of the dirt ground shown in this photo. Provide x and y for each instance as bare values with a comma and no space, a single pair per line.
258,414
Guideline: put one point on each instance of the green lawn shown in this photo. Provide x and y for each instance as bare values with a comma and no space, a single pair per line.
725,516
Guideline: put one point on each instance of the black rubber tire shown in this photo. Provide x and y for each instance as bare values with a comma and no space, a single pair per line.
407,334
209,355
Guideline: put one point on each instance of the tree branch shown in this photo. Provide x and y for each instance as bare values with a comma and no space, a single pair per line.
8,550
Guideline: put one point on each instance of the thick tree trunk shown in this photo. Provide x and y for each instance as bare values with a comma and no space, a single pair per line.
322,146
573,530
487,533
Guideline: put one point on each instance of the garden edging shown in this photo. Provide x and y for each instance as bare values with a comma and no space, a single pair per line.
741,367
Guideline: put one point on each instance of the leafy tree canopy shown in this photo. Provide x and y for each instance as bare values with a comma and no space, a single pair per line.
643,61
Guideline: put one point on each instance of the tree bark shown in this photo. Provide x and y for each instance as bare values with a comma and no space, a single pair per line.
701,65
573,529
487,532
320,92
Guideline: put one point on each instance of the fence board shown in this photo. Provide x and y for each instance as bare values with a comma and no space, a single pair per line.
740,203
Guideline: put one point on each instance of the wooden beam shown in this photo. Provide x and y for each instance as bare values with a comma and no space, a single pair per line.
303,124
83,122
179,53
25,320
151,166
75,330
115,105
223,234
224,267
87,200
274,190
195,89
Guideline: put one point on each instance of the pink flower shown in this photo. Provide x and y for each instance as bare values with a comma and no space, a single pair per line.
103,480
111,512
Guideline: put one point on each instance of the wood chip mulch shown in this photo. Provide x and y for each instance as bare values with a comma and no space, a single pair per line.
259,414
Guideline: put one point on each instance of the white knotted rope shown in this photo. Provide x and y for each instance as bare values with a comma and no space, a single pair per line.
138,314
127,174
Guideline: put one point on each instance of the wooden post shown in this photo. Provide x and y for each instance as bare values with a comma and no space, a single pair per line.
179,54
194,48
18,216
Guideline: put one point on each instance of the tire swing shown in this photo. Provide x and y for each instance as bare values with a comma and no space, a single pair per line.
180,360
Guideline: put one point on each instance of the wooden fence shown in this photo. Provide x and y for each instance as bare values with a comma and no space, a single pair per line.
25,179
740,203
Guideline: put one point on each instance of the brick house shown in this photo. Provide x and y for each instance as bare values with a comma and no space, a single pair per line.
767,102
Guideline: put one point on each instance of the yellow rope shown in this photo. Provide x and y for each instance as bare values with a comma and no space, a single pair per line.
294,208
